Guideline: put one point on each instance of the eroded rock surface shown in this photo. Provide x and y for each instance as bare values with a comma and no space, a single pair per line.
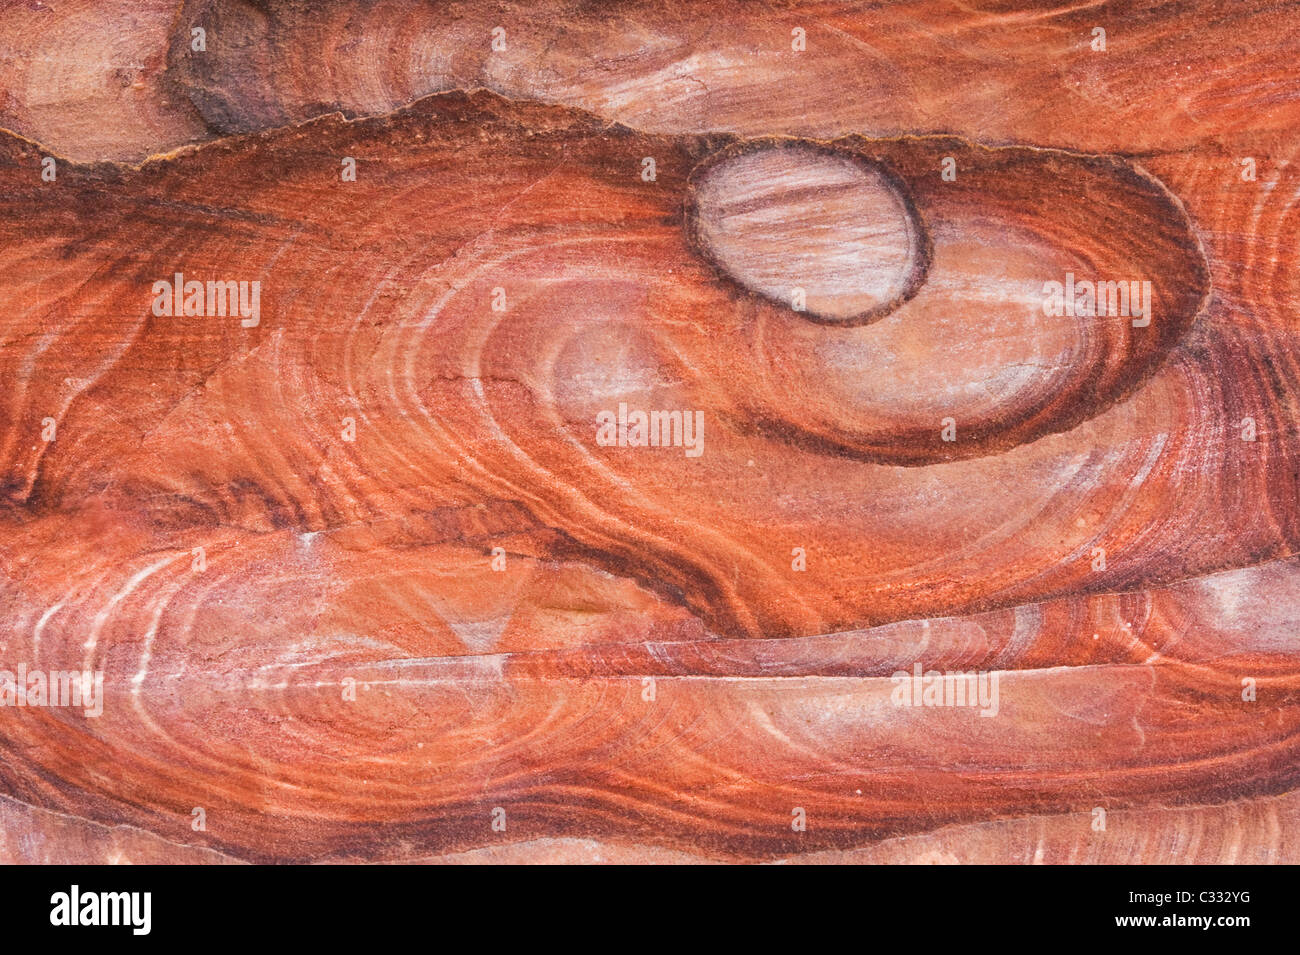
399,458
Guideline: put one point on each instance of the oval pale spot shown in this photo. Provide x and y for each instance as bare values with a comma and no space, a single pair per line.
825,233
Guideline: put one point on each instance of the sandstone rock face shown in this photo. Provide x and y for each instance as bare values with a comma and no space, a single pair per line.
548,433
89,79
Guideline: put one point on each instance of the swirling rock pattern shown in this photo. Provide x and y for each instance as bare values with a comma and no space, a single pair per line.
321,439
